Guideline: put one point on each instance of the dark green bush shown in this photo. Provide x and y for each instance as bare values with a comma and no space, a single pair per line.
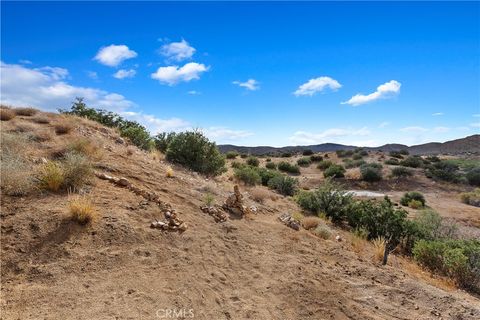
444,170
432,159
231,154
307,152
371,172
249,175
458,259
334,171
395,154
271,165
236,164
162,140
266,175
244,155
283,184
316,158
357,156
404,152
344,153
473,176
304,162
193,150
253,161
288,167
138,135
412,195
324,164
286,155
412,162
401,172
329,199
392,161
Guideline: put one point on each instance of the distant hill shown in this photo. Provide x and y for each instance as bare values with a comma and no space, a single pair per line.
467,145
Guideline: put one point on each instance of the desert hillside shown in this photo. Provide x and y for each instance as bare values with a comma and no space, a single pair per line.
203,263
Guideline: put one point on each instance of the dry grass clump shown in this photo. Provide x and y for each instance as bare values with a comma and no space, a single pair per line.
63,128
130,151
358,243
260,195
82,209
41,120
28,112
310,222
323,231
51,176
379,249
41,136
169,172
86,147
7,114
23,128
16,178
156,155
297,216
13,143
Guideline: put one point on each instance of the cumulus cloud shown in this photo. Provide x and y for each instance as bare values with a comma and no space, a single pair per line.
250,84
384,91
177,51
414,129
329,135
172,75
222,133
317,85
113,55
384,124
122,74
436,114
46,88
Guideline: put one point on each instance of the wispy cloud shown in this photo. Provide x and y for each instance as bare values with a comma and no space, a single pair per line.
225,134
383,91
194,92
436,114
122,74
476,115
250,84
440,129
475,125
25,61
316,85
177,51
46,88
92,75
329,135
172,75
113,55
384,124
414,129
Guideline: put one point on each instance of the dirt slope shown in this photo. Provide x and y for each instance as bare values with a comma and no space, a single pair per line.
254,268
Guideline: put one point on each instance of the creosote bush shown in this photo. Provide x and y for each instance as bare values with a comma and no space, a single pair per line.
401,172
231,154
316,158
415,204
271,165
283,184
471,198
371,172
473,176
249,175
413,162
288,167
392,161
412,195
253,161
307,152
304,162
324,164
334,171
444,170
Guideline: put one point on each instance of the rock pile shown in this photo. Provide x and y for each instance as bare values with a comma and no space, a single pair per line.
216,212
289,221
234,203
171,223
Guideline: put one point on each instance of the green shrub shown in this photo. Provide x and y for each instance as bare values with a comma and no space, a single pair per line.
286,155
253,161
357,156
329,198
288,167
304,162
433,159
392,161
316,158
249,175
444,170
283,184
236,164
344,153
412,195
473,176
413,162
415,204
401,172
193,150
324,164
371,172
271,165
334,171
307,152
266,175
395,154
162,140
231,154
244,155
458,259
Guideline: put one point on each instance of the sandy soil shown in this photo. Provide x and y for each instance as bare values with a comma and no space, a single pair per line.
254,268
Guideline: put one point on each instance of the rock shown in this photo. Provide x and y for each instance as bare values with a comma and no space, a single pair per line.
234,203
119,140
104,130
123,182
338,238
289,221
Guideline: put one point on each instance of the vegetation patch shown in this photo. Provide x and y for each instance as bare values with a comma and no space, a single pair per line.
334,171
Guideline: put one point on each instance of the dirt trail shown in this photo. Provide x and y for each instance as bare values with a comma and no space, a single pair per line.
253,268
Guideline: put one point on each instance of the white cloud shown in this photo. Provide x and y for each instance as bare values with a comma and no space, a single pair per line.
194,92
329,135
222,133
475,124
437,114
384,91
122,74
46,88
113,55
414,129
172,75
384,124
441,129
177,51
25,61
250,84
317,85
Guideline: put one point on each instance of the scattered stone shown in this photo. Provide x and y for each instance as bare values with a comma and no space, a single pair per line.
289,221
119,140
123,182
234,203
216,212
338,238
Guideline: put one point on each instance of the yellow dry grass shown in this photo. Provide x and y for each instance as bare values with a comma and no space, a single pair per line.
51,176
169,173
310,222
82,209
378,249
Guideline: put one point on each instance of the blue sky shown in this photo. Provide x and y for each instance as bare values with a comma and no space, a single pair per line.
254,73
